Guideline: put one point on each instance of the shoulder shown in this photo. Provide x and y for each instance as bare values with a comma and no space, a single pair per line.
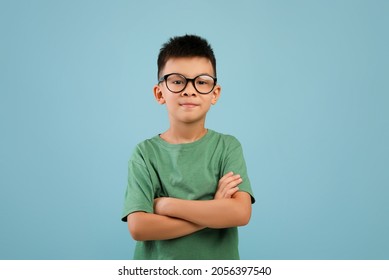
143,149
226,139
147,144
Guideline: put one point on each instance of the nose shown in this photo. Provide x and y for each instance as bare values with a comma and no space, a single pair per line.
189,90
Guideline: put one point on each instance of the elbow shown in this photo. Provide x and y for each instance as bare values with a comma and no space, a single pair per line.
244,216
135,233
239,219
243,208
135,228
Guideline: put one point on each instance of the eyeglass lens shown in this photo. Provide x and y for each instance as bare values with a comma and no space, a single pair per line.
203,83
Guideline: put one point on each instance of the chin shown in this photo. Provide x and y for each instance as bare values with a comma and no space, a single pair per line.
191,120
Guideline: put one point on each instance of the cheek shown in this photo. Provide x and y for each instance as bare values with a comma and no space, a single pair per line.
170,103
208,105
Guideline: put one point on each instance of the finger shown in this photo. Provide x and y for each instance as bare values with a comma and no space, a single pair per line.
228,180
226,188
233,183
231,192
224,181
230,188
227,175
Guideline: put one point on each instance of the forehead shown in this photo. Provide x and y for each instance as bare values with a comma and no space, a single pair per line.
188,66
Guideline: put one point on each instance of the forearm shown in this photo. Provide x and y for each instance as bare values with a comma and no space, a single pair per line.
148,226
218,213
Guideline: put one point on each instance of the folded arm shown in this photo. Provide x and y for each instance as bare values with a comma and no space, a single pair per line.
148,226
173,218
217,213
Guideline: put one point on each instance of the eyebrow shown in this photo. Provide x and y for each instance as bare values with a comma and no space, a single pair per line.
207,74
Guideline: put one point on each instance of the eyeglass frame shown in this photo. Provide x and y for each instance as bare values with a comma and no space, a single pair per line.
164,79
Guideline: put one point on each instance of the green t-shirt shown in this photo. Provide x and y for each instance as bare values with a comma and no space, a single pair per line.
186,171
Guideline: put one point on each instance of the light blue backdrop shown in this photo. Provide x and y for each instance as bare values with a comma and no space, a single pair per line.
305,89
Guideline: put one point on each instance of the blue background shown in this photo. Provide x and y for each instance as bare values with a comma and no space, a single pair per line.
305,90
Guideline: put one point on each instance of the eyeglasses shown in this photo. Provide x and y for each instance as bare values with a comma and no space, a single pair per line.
176,83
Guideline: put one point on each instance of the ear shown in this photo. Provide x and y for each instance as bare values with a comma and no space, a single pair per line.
158,94
216,94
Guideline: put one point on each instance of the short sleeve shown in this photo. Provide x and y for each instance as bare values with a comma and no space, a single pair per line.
235,162
139,194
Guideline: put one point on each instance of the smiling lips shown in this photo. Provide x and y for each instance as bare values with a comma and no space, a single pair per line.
189,105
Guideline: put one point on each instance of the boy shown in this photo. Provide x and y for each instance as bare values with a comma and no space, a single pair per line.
188,189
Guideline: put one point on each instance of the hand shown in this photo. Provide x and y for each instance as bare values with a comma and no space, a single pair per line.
228,185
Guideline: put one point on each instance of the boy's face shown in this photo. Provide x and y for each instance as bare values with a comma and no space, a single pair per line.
187,106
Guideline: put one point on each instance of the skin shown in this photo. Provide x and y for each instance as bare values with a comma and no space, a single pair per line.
187,112
187,123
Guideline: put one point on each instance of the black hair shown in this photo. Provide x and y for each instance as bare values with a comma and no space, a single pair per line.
185,46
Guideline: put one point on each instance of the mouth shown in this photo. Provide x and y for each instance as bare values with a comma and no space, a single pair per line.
189,105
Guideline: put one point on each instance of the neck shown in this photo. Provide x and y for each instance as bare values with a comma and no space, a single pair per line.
184,133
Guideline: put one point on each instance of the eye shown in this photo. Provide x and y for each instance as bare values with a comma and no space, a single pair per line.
204,81
177,82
